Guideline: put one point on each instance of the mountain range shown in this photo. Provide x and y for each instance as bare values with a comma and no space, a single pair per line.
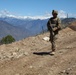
22,27
8,29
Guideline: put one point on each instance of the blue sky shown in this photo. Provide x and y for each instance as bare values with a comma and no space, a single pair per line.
39,7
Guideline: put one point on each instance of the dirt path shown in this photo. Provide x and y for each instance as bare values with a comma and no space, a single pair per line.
39,62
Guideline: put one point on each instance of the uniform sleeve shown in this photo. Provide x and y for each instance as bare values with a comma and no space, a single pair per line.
48,25
59,23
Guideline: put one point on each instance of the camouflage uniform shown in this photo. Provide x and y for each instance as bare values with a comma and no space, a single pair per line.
54,25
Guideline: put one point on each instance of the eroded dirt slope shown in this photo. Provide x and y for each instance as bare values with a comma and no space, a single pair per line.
31,56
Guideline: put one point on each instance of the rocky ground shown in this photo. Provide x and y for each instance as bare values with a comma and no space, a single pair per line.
31,56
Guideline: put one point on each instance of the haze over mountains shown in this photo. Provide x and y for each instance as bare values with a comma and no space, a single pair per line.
8,29
22,27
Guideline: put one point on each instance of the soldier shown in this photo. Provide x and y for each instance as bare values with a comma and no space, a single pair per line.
53,25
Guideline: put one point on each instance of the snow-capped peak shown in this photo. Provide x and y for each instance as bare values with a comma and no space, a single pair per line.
62,14
6,13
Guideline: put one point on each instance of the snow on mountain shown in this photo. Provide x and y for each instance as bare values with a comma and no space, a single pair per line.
6,13
61,14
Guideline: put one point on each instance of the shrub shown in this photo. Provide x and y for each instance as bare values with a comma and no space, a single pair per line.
8,39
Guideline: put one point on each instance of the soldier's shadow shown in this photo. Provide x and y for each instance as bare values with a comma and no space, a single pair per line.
42,53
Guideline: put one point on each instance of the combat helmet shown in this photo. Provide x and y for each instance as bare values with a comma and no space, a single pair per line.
54,12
